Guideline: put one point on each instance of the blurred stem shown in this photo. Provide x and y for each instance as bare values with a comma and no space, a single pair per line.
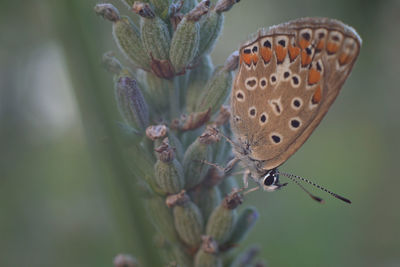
173,86
77,28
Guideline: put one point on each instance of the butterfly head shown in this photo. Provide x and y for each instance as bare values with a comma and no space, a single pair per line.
270,181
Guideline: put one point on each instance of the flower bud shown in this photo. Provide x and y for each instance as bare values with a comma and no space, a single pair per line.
198,152
161,217
185,42
244,224
131,103
127,37
111,63
168,171
207,255
188,5
157,90
161,7
188,223
108,11
228,185
207,199
155,34
225,5
223,218
216,91
180,257
198,77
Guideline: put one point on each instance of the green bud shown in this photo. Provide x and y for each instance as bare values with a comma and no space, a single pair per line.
188,223
161,7
155,34
244,224
204,259
168,171
131,103
207,199
188,5
210,29
111,63
198,152
185,42
227,185
218,87
180,257
176,144
157,90
127,37
198,77
161,217
223,218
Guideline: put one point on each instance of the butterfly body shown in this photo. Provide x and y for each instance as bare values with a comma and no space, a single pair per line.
288,77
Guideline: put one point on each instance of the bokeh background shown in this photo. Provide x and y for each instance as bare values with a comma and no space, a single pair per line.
66,197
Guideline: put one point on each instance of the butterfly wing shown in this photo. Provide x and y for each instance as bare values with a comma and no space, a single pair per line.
288,78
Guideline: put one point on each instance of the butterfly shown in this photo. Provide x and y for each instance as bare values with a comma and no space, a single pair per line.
288,77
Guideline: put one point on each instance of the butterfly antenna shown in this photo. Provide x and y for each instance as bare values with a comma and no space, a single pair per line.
292,176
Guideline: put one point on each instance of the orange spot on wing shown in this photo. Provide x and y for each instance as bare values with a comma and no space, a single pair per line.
280,52
303,43
305,58
331,48
293,52
266,54
317,96
313,76
320,45
246,58
255,58
344,58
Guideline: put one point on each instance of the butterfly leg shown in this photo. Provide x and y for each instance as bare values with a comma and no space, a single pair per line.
246,176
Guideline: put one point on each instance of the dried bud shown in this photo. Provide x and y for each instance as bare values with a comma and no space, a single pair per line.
214,176
223,116
156,131
216,91
168,171
222,220
127,37
165,151
123,260
232,62
196,13
194,159
155,34
193,121
162,68
198,77
245,223
108,11
233,200
209,245
189,223
162,218
225,5
178,199
131,103
143,9
210,136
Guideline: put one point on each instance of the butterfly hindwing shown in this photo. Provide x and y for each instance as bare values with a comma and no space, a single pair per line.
288,78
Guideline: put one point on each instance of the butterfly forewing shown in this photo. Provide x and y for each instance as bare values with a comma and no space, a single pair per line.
288,78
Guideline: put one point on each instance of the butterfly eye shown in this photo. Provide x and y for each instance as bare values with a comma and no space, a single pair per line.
269,180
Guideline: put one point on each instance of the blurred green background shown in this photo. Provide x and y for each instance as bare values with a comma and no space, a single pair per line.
66,198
